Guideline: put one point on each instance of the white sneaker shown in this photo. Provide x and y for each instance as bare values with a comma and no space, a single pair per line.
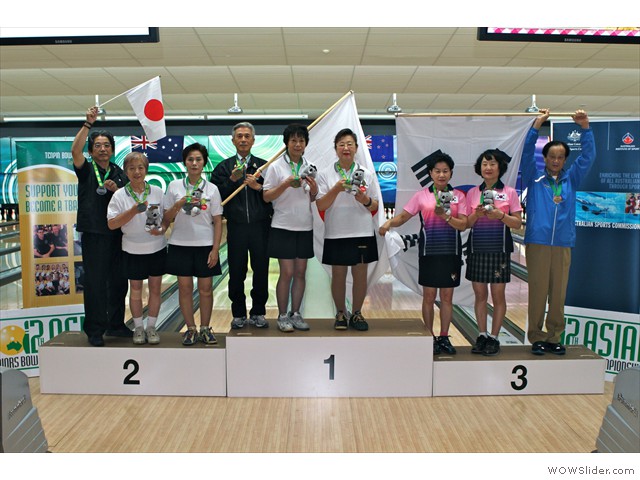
284,323
152,336
139,337
258,321
238,322
298,322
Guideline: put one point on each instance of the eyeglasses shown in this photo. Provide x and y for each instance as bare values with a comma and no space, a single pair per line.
348,144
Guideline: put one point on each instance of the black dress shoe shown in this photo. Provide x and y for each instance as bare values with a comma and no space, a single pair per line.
555,348
123,332
538,348
96,340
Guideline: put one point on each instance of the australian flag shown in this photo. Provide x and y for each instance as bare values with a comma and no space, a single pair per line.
165,150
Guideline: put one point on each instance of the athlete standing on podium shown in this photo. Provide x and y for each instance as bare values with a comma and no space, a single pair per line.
291,236
105,286
440,243
248,222
551,228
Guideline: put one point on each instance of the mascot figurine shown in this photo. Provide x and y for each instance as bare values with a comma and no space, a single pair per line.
154,218
308,170
357,181
488,199
445,201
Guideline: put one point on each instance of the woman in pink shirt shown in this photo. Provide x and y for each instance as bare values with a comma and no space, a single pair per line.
440,257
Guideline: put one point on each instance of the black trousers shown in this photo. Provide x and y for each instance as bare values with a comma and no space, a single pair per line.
244,242
105,286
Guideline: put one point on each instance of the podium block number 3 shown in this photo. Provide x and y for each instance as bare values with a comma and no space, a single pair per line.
129,380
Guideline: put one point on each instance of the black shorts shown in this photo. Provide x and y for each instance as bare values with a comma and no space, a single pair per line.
489,267
290,244
350,251
439,271
141,267
190,262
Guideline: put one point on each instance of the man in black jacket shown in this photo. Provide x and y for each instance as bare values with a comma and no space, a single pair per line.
248,222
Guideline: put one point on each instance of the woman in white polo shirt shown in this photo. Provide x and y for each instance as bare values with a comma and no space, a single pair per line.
349,238
194,206
143,245
291,234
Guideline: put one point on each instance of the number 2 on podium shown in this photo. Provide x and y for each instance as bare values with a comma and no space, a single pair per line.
331,361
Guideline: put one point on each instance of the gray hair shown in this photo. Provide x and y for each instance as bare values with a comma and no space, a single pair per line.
135,156
243,125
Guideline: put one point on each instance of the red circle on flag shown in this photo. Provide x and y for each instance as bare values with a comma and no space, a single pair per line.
154,110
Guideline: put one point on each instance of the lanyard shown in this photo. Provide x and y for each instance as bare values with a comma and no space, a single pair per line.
135,197
240,163
99,177
435,194
482,194
557,190
189,189
295,168
343,173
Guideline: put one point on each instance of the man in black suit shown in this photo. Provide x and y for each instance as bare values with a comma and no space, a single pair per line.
248,222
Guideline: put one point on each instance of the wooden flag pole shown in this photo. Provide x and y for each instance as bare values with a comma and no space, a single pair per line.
281,151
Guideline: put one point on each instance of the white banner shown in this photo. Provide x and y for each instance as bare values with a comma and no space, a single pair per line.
464,138
22,332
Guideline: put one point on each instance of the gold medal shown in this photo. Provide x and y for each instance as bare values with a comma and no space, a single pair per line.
439,210
295,183
557,199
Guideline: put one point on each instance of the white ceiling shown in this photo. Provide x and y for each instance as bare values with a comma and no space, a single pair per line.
284,71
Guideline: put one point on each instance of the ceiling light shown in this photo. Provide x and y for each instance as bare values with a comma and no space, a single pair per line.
394,108
533,108
235,109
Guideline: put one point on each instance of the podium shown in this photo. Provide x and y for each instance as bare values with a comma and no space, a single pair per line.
68,364
392,359
516,371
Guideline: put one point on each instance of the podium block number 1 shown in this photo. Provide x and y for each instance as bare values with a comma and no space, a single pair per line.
331,362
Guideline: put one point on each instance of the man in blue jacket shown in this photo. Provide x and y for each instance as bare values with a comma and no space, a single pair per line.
551,232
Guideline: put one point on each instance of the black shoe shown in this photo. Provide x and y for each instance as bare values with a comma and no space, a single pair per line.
357,322
445,345
123,332
538,348
436,346
96,340
481,342
492,347
341,322
555,348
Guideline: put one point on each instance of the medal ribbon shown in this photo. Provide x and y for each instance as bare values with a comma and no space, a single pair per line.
343,173
135,197
98,176
295,168
482,194
435,194
189,189
556,187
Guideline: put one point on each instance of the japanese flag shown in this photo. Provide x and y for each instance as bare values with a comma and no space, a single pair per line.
146,100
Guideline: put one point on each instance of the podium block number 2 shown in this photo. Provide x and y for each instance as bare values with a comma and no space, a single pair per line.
331,361
129,380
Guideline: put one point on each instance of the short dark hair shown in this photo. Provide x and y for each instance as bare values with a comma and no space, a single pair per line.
555,143
438,157
493,154
345,132
295,130
101,133
198,147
